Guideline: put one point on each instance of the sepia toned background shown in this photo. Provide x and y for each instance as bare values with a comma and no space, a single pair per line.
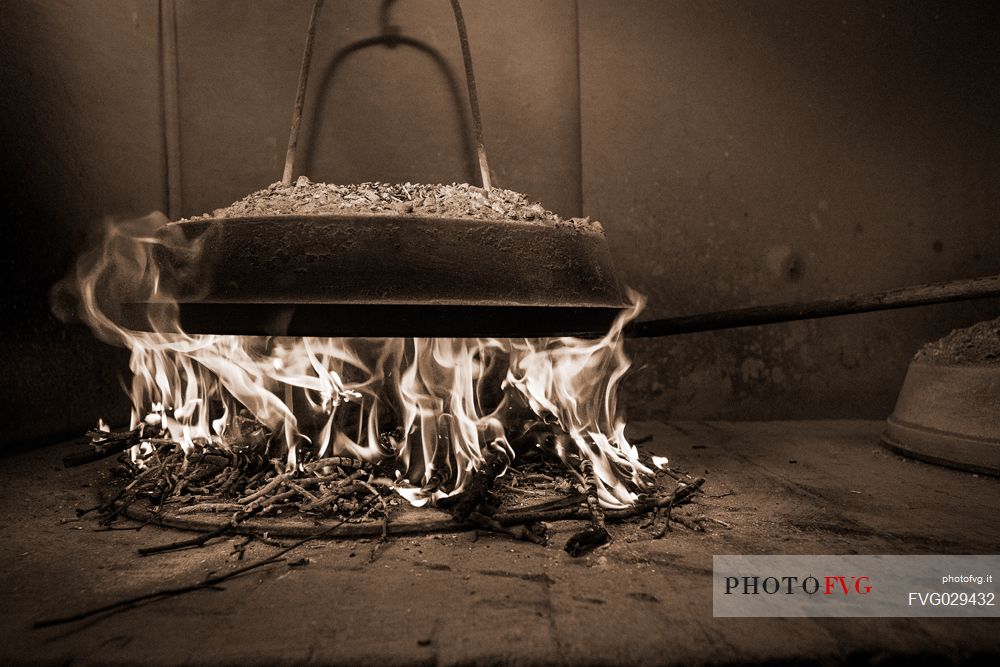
737,153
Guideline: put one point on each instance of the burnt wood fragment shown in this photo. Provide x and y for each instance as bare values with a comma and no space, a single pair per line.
477,494
587,540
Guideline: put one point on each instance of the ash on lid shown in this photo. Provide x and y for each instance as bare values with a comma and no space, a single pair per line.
457,200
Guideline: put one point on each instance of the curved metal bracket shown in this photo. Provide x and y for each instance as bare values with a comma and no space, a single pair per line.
300,95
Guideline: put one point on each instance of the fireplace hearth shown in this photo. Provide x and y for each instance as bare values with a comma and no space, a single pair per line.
665,380
481,598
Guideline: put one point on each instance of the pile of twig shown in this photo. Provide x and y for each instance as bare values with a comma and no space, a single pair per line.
241,481
219,480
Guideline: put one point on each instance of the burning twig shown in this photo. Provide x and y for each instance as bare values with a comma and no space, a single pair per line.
237,475
235,479
478,490
563,509
385,509
109,443
596,534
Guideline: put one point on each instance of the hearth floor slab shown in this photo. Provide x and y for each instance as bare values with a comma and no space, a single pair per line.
784,487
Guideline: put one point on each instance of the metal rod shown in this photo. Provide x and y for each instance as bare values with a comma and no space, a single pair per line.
470,79
300,95
905,297
171,107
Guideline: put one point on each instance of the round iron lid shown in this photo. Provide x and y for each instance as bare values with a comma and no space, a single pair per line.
384,275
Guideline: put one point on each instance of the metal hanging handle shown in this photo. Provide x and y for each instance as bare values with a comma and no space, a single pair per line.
300,95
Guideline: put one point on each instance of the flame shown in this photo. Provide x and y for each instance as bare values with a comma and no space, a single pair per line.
432,407
660,462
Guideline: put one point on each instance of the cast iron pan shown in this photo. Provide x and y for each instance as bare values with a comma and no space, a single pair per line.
381,276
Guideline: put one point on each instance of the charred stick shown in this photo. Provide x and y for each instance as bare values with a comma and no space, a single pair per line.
687,523
589,489
109,444
322,502
353,477
682,493
198,541
337,494
103,507
211,583
240,548
212,458
347,505
575,511
573,502
707,519
264,539
534,478
211,507
300,490
664,527
113,510
481,483
264,490
596,534
587,540
439,465
679,495
518,532
385,508
272,502
107,529
327,465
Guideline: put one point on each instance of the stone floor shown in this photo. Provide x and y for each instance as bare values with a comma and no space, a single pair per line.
784,487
